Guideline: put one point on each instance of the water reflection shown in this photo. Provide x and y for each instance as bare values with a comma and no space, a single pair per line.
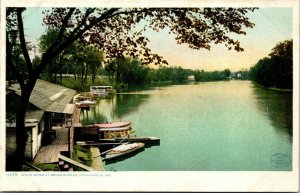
114,108
124,157
277,106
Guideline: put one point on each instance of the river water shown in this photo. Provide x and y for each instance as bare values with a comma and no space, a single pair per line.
213,126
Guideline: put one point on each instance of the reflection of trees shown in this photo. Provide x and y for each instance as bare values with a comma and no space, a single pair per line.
113,108
128,103
278,106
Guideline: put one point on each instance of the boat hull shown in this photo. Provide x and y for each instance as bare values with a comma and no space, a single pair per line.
131,139
113,154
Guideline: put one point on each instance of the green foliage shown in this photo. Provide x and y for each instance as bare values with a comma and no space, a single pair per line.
48,167
276,70
82,156
93,59
127,72
59,64
130,72
97,118
75,84
173,74
70,82
43,167
202,76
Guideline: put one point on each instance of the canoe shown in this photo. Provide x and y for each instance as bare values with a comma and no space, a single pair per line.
122,150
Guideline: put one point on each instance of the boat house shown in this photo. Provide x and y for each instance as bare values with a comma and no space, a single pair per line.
191,78
50,106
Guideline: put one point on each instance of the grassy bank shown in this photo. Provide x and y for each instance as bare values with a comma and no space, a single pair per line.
43,167
70,82
82,156
272,88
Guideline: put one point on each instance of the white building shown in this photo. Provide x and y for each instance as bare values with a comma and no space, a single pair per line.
191,78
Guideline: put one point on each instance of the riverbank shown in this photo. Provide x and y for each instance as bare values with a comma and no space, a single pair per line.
273,88
77,84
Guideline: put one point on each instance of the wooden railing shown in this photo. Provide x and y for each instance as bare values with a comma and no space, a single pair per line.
67,167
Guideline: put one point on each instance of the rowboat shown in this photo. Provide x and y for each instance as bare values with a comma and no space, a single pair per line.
123,150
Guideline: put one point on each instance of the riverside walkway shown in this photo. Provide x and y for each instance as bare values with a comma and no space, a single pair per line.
50,153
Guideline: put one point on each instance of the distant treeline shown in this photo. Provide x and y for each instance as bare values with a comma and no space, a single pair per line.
277,69
130,72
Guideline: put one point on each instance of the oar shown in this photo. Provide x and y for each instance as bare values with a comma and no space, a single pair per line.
124,138
107,151
112,148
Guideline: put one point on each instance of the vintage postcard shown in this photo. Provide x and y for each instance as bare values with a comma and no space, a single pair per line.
150,96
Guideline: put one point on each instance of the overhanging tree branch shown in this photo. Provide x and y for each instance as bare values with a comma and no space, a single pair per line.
70,40
86,15
61,31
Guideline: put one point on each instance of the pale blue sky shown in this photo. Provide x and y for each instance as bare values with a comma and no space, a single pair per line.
272,25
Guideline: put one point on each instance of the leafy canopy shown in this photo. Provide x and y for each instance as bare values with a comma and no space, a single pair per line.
119,32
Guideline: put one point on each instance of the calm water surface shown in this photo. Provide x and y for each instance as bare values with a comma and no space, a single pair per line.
213,126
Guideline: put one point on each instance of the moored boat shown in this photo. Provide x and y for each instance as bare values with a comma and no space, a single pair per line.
101,90
86,102
123,150
83,101
131,139
111,130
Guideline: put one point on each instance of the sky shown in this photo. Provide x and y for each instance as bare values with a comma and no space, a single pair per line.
272,25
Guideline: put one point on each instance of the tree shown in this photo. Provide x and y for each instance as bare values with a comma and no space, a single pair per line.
227,73
130,72
94,59
59,63
276,70
282,56
112,29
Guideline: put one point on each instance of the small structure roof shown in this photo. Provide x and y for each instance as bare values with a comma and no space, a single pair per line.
33,117
50,97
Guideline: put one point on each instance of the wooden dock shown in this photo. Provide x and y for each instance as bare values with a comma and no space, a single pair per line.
97,163
49,153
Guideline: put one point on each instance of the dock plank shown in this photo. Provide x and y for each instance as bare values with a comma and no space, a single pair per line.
49,153
97,163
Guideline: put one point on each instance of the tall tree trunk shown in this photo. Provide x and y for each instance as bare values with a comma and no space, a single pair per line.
21,135
55,72
60,75
93,78
85,74
50,72
82,76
